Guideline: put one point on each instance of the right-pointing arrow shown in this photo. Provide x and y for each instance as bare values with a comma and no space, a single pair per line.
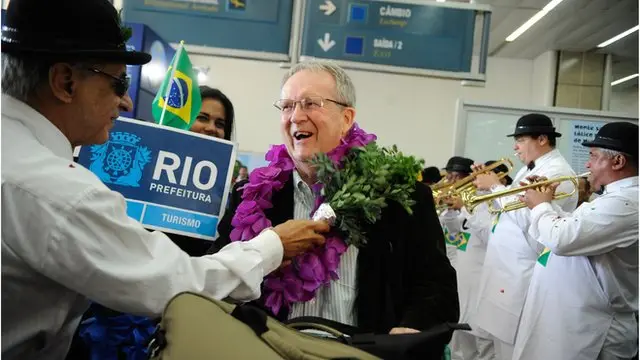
328,7
326,44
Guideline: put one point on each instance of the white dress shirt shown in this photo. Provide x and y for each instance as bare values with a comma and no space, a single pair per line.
472,248
66,238
582,301
451,223
334,302
512,253
471,254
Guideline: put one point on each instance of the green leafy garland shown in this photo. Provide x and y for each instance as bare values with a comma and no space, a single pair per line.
371,176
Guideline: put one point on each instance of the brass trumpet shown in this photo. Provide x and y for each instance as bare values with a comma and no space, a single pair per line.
471,201
466,184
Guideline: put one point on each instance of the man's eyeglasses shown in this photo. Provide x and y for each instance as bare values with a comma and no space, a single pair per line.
306,104
120,84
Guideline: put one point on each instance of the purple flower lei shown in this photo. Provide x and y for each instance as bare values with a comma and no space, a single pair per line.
300,281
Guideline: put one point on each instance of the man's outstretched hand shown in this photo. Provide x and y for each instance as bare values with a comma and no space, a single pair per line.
298,236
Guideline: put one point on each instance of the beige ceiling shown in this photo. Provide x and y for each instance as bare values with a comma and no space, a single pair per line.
575,25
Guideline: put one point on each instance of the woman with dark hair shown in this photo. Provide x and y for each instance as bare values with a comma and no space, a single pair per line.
216,114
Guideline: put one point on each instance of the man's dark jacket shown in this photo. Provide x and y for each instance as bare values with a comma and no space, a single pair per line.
404,278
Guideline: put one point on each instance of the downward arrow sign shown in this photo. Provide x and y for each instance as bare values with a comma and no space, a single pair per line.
328,7
326,44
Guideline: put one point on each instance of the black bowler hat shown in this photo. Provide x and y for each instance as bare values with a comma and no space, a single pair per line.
618,136
535,124
459,164
500,169
68,30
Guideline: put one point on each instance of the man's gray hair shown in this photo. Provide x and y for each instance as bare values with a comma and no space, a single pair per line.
613,153
345,91
22,76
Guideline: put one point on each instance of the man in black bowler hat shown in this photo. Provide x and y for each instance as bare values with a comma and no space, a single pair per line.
457,168
582,303
66,238
511,252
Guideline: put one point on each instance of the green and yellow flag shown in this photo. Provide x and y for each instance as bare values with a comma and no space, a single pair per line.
178,101
462,240
544,256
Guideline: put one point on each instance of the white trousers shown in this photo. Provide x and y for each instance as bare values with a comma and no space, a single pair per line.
466,346
503,350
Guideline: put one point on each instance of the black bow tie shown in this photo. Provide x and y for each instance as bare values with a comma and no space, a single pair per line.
531,165
464,225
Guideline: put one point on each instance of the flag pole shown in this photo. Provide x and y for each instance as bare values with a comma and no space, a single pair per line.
173,66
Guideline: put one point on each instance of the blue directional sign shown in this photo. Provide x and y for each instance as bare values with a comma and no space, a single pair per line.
427,37
173,180
245,25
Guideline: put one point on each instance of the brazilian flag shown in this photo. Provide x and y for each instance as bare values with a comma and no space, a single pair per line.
178,101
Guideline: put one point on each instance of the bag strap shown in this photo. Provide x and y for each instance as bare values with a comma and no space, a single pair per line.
314,320
253,317
352,330
157,343
459,326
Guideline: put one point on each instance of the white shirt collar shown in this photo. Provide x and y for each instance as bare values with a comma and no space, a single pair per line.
297,179
546,157
42,129
620,184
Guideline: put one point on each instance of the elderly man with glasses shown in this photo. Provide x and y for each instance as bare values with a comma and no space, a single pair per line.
66,237
400,282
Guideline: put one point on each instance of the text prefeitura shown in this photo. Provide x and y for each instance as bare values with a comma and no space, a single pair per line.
171,167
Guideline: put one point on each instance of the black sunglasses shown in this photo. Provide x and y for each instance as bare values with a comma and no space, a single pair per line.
120,84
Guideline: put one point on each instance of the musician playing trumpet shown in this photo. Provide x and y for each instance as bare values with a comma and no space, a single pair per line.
511,251
457,168
583,295
472,237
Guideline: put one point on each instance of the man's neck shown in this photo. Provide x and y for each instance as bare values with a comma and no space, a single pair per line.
307,173
621,175
543,151
54,114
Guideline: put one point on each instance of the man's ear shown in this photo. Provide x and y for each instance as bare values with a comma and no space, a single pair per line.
618,162
348,117
543,139
62,82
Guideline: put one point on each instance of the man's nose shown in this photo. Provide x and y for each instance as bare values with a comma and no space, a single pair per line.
126,104
298,114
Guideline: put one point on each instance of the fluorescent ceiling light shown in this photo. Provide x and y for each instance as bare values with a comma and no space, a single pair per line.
534,19
440,0
626,78
619,36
